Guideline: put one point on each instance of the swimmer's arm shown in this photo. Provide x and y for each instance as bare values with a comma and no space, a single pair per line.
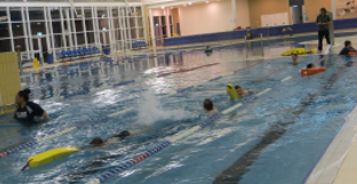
45,116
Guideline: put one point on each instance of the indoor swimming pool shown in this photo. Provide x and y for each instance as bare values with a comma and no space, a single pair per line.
160,96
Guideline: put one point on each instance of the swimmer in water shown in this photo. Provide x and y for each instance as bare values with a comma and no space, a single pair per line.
96,142
208,50
295,59
209,107
240,91
28,111
347,49
310,66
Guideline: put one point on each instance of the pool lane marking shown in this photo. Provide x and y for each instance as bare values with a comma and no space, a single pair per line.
127,164
287,78
263,92
49,137
116,114
229,110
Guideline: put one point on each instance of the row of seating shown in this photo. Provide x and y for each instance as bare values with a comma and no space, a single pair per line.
67,54
137,44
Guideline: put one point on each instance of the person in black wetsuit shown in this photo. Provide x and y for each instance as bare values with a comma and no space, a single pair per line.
323,21
27,111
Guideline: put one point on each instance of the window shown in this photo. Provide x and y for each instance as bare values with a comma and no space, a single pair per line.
16,15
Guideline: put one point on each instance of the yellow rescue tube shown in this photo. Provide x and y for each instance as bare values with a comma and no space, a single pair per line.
50,155
232,92
299,51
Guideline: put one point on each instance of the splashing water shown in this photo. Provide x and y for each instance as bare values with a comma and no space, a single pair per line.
151,111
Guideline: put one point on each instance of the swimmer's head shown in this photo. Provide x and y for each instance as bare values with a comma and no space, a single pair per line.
239,90
348,43
124,134
22,96
208,105
310,65
97,142
323,11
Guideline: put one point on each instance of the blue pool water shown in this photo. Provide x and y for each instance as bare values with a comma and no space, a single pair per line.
275,138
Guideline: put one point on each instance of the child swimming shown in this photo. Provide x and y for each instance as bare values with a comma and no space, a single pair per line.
209,107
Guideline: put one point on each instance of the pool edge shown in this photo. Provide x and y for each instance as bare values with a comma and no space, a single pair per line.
333,161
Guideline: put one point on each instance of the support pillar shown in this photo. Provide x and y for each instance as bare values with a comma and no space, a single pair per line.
152,29
234,14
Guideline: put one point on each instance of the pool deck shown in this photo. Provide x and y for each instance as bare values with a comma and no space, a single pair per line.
339,163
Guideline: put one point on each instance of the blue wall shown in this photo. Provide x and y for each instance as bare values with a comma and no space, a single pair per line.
272,31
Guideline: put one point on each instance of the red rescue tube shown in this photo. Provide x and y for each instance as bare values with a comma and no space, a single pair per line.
312,71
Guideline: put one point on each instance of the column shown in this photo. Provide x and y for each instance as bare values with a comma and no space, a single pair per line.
152,28
234,13
84,28
10,29
48,32
52,35
121,28
297,13
30,33
74,29
24,26
168,27
69,31
63,29
333,16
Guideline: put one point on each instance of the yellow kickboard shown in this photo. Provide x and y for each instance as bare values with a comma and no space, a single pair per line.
299,51
50,155
231,91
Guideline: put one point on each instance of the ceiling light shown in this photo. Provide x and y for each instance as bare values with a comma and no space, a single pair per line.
190,3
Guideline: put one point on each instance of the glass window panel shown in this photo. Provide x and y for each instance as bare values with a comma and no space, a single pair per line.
140,22
17,29
88,13
55,14
20,43
115,12
4,30
58,41
37,27
90,37
56,26
15,14
102,13
103,23
133,34
80,39
89,25
3,14
79,26
5,45
36,14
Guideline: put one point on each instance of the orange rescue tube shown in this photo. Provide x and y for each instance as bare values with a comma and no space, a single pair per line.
312,71
352,53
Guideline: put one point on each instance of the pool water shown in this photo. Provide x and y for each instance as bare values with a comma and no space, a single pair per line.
276,137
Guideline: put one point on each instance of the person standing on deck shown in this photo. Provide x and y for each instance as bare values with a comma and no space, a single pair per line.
323,21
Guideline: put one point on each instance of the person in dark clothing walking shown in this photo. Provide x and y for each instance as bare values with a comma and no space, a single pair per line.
323,20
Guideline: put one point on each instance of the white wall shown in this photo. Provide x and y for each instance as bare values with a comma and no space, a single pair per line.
213,17
243,14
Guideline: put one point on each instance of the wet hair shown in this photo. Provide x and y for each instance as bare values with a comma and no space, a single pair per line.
348,43
123,134
237,87
208,105
97,141
310,65
25,94
323,10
